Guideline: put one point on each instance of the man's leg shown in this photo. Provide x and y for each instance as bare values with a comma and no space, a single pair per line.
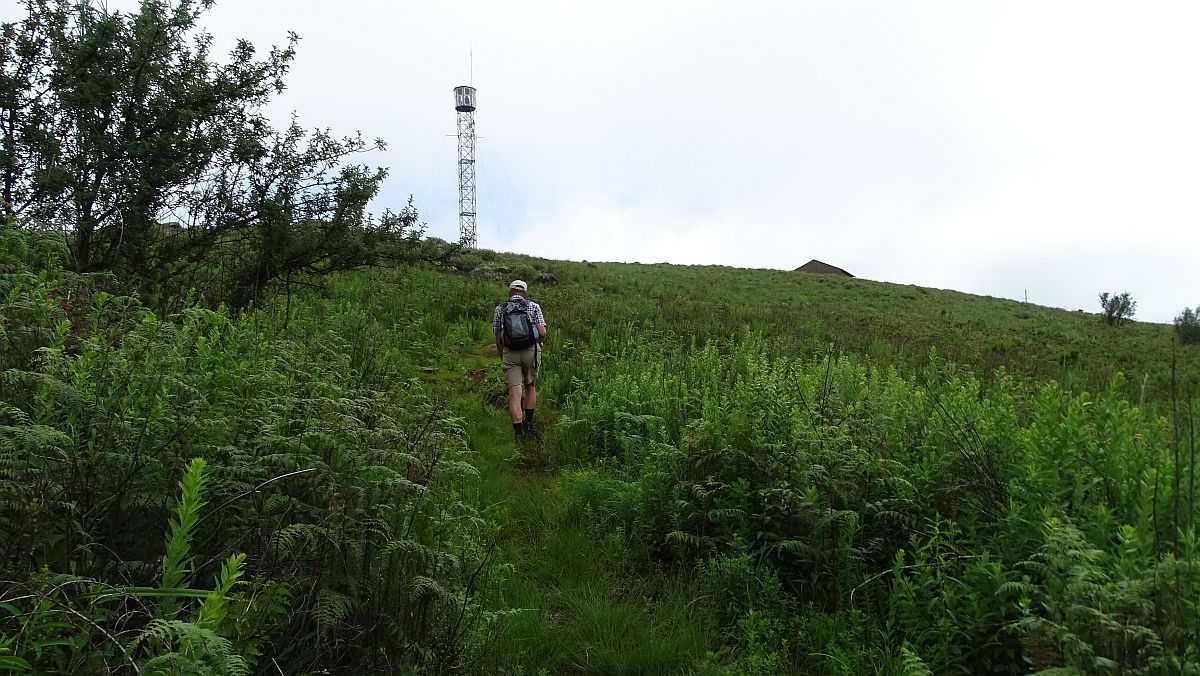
531,376
513,375
514,409
530,405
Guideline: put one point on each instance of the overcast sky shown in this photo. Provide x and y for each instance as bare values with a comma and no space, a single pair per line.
1004,148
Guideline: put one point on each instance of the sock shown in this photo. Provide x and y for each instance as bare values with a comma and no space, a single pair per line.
529,416
519,429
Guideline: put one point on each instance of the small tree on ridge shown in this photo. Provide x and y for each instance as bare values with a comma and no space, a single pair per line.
1187,325
1116,308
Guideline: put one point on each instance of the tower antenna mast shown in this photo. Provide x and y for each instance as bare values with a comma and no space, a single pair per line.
464,103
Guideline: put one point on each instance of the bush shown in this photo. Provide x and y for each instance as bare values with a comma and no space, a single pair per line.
340,481
735,587
1117,308
1187,325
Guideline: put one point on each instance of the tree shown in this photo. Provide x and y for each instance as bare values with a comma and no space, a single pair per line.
1117,308
1187,325
111,122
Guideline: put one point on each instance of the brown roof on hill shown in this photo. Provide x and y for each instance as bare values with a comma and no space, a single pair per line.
820,268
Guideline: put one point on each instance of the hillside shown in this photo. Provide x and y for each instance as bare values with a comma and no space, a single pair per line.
248,426
739,471
810,314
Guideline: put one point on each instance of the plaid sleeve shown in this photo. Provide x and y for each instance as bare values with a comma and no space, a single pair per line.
535,314
496,324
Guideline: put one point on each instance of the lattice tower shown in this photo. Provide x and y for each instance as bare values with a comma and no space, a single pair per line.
464,100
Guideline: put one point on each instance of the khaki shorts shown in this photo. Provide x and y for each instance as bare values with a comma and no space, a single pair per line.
521,366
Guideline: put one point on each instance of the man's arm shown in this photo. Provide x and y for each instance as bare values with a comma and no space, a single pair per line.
540,322
497,326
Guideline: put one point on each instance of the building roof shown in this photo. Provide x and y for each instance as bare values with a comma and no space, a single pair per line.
816,266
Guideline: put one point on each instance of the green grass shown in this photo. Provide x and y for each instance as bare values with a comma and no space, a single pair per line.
673,397
581,606
743,471
804,314
628,378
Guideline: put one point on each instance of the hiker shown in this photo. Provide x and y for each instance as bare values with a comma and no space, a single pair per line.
520,331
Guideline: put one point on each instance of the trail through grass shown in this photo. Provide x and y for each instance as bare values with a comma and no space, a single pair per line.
583,607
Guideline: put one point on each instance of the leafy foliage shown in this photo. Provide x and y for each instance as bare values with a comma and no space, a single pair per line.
176,563
114,121
1117,308
1187,325
914,494
341,483
821,491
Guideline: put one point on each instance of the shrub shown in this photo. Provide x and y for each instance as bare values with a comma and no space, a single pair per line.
1117,308
340,480
735,587
1187,325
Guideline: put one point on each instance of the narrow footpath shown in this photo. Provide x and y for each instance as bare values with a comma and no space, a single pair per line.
584,609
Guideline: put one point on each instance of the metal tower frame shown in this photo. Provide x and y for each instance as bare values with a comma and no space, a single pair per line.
466,178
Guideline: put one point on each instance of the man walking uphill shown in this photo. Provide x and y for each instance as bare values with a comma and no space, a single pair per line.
520,331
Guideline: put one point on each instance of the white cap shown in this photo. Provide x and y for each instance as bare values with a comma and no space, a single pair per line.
519,285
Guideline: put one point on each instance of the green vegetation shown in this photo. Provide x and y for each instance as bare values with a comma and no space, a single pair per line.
337,476
1117,308
111,121
741,472
1187,325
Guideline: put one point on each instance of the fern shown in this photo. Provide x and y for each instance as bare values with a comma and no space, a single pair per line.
297,537
216,604
331,609
199,650
911,663
176,562
103,400
422,587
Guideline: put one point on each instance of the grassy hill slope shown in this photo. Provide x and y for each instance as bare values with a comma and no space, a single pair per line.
794,443
807,314
843,465
741,471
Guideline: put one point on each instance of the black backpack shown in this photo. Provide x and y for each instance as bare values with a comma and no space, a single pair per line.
517,330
